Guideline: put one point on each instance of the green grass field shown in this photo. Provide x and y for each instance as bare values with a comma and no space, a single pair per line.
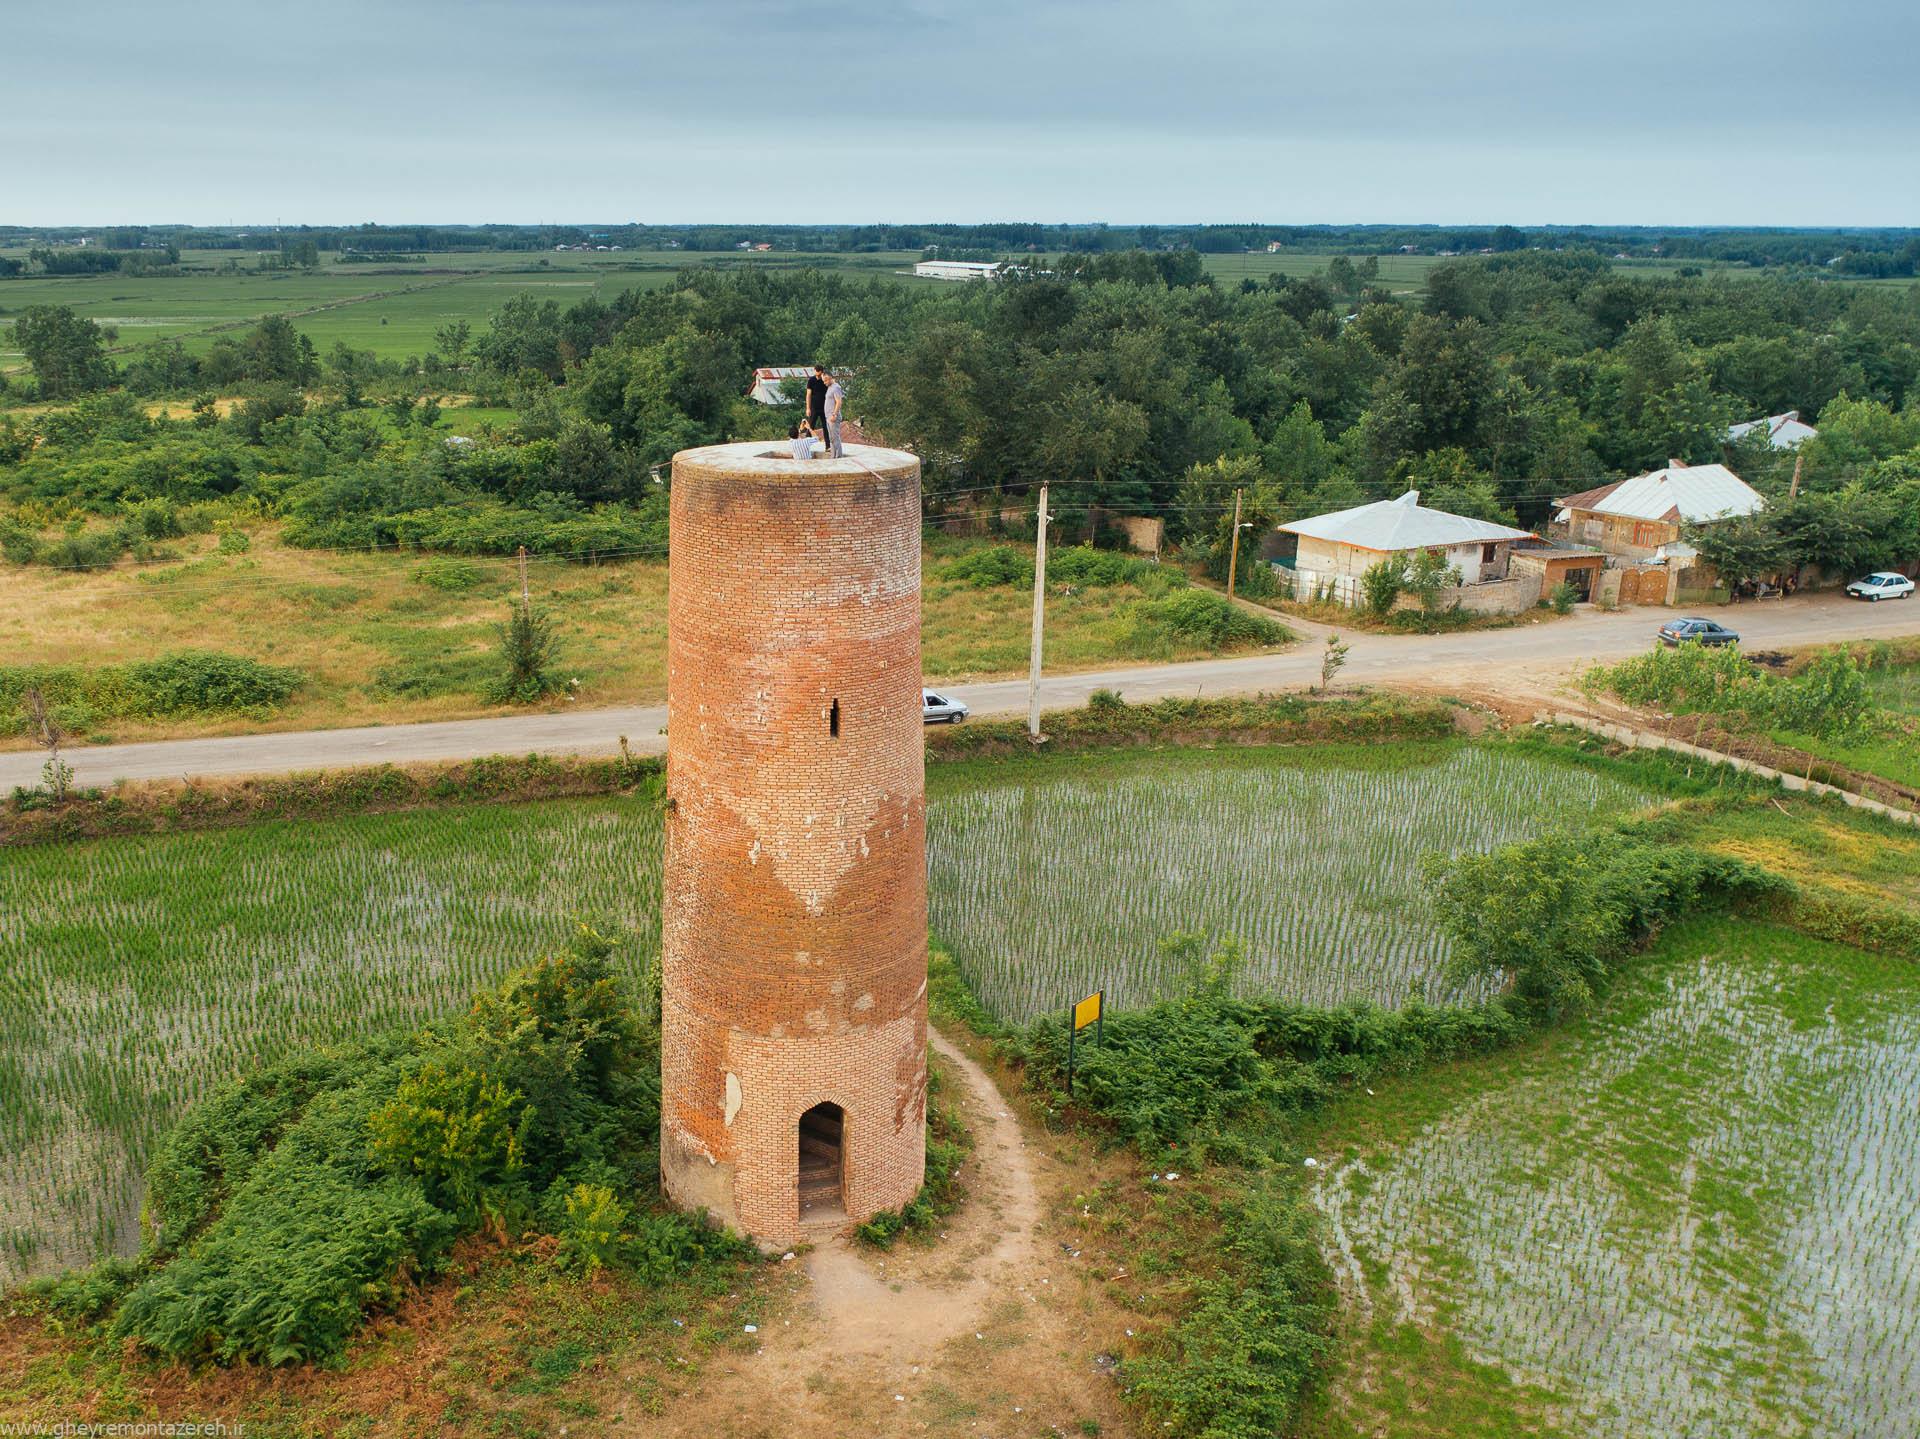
391,637
392,309
1689,1215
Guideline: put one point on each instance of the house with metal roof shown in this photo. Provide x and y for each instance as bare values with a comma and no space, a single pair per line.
1336,549
1781,432
1639,519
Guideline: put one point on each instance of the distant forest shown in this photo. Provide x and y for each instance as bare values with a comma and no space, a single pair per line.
1876,253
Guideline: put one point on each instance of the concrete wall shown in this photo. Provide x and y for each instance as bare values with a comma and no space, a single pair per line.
1496,597
794,921
1144,533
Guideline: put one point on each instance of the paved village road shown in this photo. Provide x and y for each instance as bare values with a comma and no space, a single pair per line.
1534,657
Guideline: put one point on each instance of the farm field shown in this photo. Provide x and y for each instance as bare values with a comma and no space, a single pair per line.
1688,1215
1064,880
390,309
391,637
136,972
394,308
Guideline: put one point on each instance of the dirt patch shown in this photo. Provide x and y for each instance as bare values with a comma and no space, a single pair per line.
979,1331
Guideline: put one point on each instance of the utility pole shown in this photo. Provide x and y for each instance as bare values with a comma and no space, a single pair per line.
1233,555
1039,618
526,598
1799,459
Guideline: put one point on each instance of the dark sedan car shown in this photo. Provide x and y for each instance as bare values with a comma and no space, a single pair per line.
1707,632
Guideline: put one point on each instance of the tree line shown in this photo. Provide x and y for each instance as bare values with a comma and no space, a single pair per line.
1132,382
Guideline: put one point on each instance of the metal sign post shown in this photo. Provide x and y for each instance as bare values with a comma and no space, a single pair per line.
1091,1010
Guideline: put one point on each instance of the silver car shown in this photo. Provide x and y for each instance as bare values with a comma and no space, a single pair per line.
1882,585
942,709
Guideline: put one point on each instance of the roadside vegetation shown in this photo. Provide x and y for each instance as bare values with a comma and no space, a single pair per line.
1844,713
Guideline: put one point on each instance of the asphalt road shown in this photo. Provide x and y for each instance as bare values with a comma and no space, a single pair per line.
1530,656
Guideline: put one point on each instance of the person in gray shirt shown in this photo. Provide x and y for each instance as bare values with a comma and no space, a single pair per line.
836,397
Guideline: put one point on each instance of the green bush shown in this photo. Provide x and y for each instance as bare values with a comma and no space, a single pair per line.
527,646
1830,698
457,1131
590,1233
1239,1363
448,575
1201,617
201,680
1552,916
1382,582
292,1200
193,681
990,567
1563,597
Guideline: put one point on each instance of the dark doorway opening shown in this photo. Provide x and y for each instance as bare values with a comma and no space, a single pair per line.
822,1129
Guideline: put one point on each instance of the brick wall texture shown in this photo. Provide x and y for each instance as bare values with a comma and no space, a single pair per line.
793,967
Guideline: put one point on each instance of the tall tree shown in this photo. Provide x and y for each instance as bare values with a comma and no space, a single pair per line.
68,353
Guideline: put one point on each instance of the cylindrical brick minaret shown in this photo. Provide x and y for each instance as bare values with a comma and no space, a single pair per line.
794,961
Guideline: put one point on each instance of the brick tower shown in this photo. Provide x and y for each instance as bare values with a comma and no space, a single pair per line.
794,959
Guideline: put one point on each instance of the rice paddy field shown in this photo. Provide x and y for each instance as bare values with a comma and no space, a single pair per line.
1064,882
1692,1215
134,973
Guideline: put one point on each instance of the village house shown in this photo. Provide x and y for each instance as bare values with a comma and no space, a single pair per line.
1336,549
1782,432
1639,520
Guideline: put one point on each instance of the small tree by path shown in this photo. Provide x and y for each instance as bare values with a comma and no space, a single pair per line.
1332,659
56,775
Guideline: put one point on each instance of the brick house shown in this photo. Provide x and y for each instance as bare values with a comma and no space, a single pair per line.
1639,520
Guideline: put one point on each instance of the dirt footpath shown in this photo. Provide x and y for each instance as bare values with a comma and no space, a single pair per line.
981,1332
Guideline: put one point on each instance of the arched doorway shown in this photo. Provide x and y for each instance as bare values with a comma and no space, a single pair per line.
822,1131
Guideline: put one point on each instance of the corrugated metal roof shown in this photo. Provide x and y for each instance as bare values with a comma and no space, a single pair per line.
1681,492
1401,524
1784,432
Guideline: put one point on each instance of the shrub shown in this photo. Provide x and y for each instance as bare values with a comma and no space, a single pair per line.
202,680
448,575
1238,1364
291,1201
457,1131
1553,915
1105,701
1382,582
1562,597
1201,617
527,645
590,1233
993,566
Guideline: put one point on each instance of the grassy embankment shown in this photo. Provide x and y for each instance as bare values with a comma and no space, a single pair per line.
390,637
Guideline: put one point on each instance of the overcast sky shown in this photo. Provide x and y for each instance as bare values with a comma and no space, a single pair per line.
1678,112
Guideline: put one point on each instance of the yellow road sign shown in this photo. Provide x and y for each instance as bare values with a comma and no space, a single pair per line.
1087,1010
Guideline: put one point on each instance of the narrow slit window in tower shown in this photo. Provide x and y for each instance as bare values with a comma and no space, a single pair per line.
821,1162
833,719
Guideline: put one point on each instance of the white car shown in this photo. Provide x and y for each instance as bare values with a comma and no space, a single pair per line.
1884,585
942,709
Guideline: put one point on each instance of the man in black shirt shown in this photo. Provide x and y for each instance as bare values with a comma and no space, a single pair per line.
817,384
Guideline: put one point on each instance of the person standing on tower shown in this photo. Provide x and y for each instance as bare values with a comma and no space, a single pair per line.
836,397
816,415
